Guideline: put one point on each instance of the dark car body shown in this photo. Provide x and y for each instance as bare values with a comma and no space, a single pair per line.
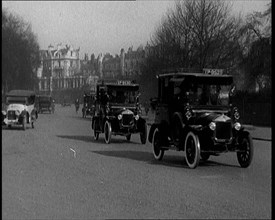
45,103
195,114
88,104
117,111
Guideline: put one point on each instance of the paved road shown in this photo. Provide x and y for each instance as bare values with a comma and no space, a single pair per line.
57,171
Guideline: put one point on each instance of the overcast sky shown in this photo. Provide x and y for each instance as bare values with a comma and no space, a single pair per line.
101,26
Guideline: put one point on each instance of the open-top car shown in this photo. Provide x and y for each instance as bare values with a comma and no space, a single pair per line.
88,104
20,108
45,103
118,112
195,114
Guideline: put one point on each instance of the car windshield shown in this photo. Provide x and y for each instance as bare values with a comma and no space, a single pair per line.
209,94
16,100
119,95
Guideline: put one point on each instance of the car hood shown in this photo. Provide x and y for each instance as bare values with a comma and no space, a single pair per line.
122,110
207,117
14,107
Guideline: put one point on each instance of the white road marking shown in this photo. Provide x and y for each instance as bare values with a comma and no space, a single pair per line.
73,151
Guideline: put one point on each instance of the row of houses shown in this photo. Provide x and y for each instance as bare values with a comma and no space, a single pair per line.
62,68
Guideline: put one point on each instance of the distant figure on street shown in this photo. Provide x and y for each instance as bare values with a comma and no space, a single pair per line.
76,105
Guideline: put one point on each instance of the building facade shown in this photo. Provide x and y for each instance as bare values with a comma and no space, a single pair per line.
60,69
125,65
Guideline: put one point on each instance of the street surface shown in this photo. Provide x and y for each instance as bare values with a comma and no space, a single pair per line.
58,171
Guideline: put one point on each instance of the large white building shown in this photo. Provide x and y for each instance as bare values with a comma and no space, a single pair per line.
60,69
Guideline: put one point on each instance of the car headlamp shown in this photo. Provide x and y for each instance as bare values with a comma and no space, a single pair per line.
119,117
136,117
212,126
17,112
237,126
107,108
188,114
236,113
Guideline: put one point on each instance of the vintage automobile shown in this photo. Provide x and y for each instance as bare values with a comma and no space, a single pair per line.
88,104
118,112
195,114
20,108
45,103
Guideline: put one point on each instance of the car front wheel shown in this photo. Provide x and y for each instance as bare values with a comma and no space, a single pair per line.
107,132
192,150
246,154
156,145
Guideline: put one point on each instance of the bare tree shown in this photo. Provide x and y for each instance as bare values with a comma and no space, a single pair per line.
256,43
199,34
20,53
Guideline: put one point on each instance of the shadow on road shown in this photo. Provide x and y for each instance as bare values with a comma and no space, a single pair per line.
77,137
90,139
168,160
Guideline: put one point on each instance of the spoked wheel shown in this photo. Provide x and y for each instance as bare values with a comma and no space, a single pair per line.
205,156
247,150
192,150
156,145
143,134
128,137
107,132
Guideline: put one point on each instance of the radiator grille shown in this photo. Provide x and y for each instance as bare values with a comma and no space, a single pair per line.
127,120
11,115
223,130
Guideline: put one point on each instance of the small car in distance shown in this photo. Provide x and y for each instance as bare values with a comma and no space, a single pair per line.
195,114
45,103
20,108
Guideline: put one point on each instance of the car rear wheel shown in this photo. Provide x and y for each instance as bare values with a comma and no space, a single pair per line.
247,150
143,134
205,156
128,137
107,132
96,135
192,150
94,127
156,145
24,122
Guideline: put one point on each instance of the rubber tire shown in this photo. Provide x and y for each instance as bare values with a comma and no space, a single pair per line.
24,122
128,137
107,132
192,150
157,151
205,156
245,158
143,134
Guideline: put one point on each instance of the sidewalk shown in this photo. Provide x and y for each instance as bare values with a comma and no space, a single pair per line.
259,133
